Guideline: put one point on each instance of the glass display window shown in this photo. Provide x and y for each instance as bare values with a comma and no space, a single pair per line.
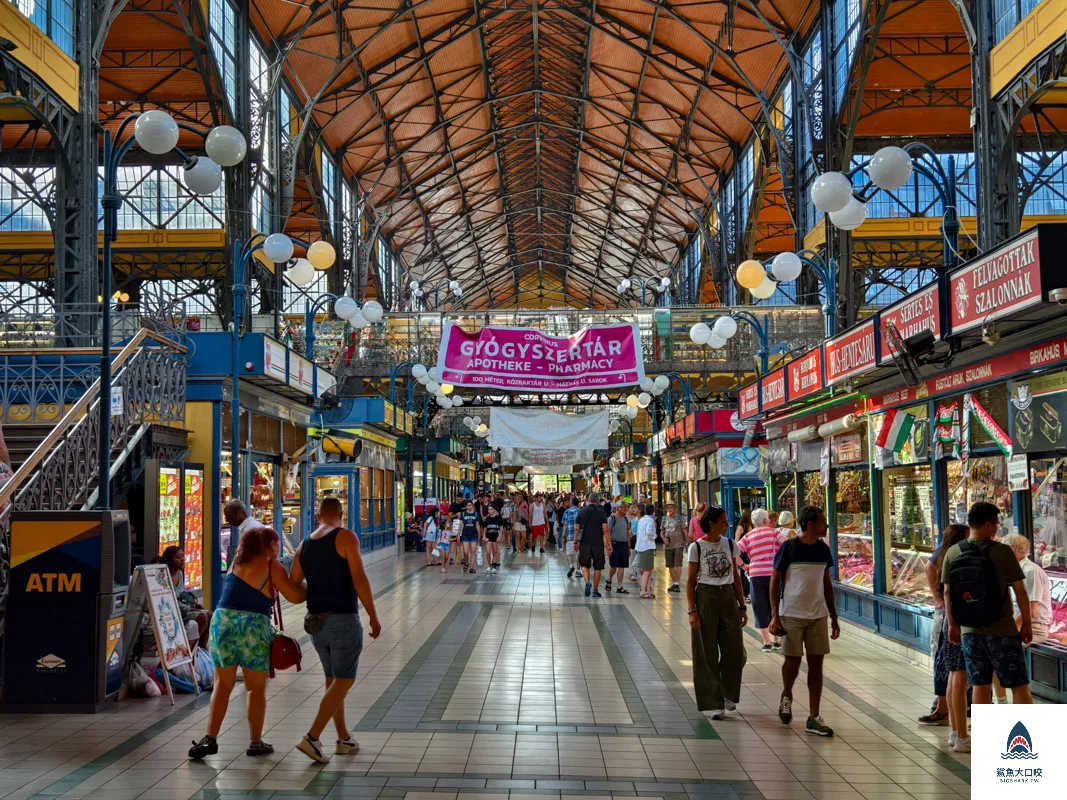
261,492
332,486
987,481
814,491
1048,492
365,498
908,507
852,509
784,486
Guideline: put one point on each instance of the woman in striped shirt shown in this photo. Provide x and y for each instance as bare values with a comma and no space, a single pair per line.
761,546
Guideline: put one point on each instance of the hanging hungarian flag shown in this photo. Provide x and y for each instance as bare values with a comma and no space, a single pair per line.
896,428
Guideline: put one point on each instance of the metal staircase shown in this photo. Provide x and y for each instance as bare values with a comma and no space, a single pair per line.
56,465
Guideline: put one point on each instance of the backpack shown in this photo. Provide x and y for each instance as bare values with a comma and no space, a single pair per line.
621,525
973,588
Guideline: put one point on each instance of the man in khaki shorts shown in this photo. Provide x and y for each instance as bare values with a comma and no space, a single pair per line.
802,597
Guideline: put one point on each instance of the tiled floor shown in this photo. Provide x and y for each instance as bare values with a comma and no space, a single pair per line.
513,687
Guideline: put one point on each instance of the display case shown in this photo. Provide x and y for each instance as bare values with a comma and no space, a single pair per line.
987,481
193,506
855,550
813,489
1048,485
784,487
908,508
174,515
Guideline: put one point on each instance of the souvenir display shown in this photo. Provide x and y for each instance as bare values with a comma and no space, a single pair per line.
908,505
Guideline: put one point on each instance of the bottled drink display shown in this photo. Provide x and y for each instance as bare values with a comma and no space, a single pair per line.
194,528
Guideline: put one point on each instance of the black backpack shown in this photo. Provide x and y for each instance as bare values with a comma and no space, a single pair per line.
973,588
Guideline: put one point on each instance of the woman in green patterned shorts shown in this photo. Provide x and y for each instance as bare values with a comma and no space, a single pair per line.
241,635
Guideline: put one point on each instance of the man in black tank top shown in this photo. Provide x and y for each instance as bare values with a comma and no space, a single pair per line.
330,562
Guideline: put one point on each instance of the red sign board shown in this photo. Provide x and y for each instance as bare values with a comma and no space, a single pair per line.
748,401
851,353
997,285
772,389
1036,357
804,375
914,314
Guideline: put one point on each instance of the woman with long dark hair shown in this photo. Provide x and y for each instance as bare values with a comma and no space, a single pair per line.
242,635
717,615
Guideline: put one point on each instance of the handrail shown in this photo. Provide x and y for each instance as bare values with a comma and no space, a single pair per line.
76,413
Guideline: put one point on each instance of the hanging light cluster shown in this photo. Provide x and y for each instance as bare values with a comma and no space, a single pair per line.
427,377
889,169
649,388
475,424
278,249
716,335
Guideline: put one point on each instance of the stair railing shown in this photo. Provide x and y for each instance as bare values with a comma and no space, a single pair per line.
63,469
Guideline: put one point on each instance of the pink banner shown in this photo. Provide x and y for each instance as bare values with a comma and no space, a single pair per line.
524,359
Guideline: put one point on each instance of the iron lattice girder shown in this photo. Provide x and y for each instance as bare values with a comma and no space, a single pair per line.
573,145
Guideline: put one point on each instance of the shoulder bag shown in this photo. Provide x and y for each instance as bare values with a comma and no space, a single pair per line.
285,651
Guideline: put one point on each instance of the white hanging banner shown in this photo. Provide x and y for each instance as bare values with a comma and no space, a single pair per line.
543,429
554,461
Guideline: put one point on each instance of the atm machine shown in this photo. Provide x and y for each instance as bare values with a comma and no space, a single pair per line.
70,572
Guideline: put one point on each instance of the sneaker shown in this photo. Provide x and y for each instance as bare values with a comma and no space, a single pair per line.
952,738
205,747
962,745
570,572
766,648
777,645
718,714
588,588
312,748
347,746
259,749
674,588
542,551
597,594
818,727
1000,701
785,710
730,704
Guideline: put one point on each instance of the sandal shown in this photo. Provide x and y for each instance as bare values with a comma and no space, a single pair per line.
260,748
647,596
935,718
620,590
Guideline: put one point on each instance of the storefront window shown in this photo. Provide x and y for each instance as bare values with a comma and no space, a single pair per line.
379,498
784,486
814,491
987,481
364,498
908,504
332,486
261,493
855,554
1048,488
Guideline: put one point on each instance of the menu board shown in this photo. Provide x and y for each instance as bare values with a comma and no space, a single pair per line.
194,528
170,513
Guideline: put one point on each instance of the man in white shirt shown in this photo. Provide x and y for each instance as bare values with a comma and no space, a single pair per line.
538,522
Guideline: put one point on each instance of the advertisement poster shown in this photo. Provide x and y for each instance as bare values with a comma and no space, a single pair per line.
170,512
525,359
166,616
1018,473
194,528
1040,406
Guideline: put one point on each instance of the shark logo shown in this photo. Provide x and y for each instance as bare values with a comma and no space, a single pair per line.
1019,744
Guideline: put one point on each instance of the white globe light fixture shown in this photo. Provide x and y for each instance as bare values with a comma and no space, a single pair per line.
647,385
301,273
631,401
345,308
226,146
632,412
418,372
725,327
831,192
156,132
476,420
851,216
321,255
700,333
644,400
787,267
447,388
468,421
716,342
413,285
457,400
432,386
750,274
372,311
664,283
765,289
444,402
890,168
433,374
358,320
203,176
278,248
482,427
662,382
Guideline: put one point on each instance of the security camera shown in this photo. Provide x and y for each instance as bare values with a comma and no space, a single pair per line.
1058,296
